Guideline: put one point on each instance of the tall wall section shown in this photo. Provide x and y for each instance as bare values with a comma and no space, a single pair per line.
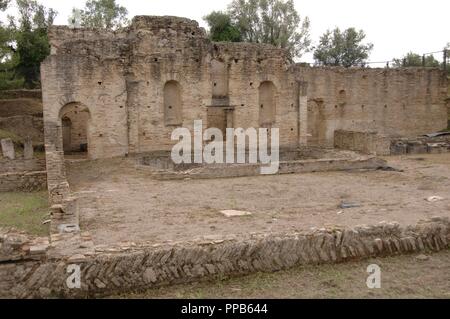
392,102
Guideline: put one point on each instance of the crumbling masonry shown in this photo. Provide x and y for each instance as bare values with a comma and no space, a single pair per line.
116,94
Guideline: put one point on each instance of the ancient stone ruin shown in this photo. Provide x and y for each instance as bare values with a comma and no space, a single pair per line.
117,97
114,94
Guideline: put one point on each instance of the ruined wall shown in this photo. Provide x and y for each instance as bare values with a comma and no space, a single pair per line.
364,142
393,102
23,126
87,71
257,73
140,83
21,172
35,269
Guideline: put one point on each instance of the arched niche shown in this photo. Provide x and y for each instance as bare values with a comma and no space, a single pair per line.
173,108
267,103
219,78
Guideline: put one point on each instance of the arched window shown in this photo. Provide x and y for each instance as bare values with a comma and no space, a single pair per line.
173,112
267,107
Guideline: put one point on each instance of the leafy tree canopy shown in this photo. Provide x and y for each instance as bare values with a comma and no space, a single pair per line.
4,4
105,14
343,48
29,33
416,60
221,27
275,22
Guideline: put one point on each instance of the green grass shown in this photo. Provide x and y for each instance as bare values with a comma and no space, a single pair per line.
25,212
6,134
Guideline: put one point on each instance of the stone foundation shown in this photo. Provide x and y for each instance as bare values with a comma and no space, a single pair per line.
421,145
22,174
364,142
23,182
130,267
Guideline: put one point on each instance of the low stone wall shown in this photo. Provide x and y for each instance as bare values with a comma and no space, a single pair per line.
421,145
161,172
21,165
23,182
364,142
129,267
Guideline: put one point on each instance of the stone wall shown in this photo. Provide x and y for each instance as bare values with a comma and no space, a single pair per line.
22,173
21,165
129,267
23,126
421,145
392,102
123,78
136,85
23,182
364,142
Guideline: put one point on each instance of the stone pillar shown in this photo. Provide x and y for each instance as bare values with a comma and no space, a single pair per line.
8,148
28,152
303,114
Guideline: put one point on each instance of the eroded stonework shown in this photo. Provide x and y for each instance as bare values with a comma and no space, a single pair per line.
122,93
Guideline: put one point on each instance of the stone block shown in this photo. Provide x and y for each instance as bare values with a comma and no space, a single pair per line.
8,148
28,152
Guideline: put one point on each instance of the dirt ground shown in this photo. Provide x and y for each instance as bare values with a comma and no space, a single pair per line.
401,277
121,204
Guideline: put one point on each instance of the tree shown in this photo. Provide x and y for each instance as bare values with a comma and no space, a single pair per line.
104,14
416,60
4,4
274,22
221,28
31,41
337,48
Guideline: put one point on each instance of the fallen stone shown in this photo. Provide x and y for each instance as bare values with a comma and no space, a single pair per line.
68,228
38,250
8,148
77,259
423,258
349,205
434,199
99,284
28,151
235,213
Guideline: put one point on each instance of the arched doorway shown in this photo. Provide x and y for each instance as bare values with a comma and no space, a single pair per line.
75,120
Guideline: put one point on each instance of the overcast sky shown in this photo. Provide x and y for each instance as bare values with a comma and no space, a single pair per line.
393,26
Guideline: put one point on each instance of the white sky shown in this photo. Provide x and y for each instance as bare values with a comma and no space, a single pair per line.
395,27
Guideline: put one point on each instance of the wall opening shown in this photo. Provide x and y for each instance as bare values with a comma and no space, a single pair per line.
75,120
173,112
267,104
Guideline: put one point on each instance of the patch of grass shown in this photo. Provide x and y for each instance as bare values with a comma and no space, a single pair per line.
6,134
24,211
